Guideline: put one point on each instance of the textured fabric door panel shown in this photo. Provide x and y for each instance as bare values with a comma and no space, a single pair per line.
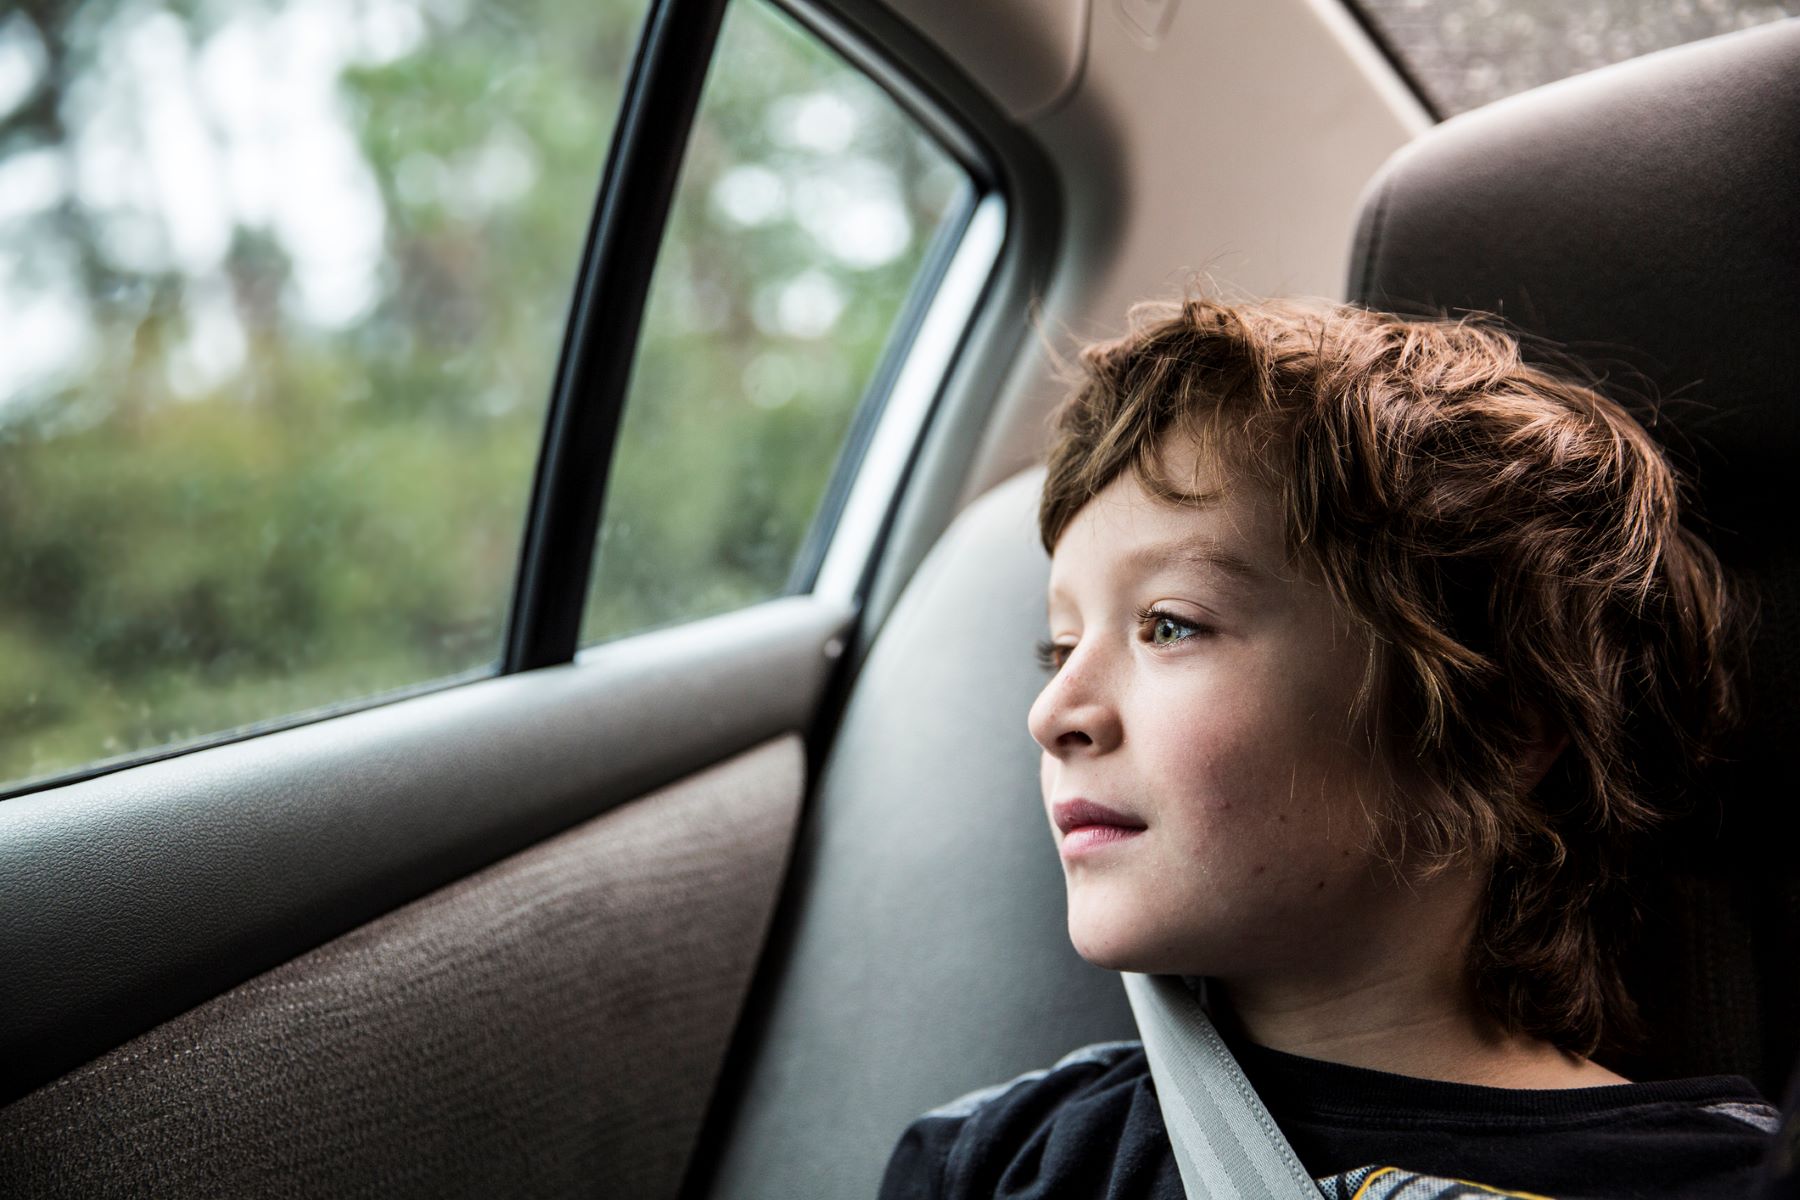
550,1026
133,897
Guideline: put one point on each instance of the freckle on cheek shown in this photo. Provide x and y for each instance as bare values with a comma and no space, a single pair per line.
1321,886
1258,869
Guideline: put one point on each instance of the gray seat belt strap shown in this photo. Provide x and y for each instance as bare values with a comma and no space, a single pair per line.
1227,1147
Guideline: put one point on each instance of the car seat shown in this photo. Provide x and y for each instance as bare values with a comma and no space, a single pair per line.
920,951
1647,217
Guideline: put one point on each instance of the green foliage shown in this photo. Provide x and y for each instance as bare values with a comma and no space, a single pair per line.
230,503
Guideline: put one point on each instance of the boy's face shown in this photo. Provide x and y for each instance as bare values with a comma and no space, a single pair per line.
1203,699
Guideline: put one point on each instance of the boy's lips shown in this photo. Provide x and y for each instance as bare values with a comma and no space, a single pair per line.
1070,815
1087,827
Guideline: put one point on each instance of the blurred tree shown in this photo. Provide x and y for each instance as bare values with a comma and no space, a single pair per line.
287,281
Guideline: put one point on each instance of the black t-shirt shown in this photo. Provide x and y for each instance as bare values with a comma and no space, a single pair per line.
1090,1127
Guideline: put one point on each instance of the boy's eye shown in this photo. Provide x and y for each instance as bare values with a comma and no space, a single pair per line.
1051,656
1165,628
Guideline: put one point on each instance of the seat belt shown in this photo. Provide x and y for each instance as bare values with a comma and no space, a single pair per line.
1227,1147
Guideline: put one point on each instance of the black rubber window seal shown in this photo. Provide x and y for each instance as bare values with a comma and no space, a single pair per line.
1403,66
662,95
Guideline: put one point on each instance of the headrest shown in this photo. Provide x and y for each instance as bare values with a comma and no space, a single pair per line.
1646,217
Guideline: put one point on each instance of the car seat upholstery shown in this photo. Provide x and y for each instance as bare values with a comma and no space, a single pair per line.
923,951
1647,216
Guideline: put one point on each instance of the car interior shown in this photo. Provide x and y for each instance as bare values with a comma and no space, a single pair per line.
714,910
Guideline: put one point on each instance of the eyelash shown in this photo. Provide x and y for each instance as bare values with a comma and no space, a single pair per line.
1051,656
1150,616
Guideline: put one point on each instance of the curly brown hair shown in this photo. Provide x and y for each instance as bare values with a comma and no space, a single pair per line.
1511,541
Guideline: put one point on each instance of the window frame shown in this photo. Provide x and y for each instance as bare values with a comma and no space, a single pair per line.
851,530
915,364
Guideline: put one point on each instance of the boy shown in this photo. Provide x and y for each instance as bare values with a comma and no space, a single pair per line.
1374,654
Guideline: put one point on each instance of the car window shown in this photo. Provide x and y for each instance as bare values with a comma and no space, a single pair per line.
1464,53
806,214
284,285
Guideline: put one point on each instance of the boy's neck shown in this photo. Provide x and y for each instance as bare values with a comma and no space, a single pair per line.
1397,998
1405,1024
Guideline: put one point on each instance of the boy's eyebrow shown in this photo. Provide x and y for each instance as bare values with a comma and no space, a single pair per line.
1201,552
1197,552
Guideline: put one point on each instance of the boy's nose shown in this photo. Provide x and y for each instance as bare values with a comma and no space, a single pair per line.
1073,714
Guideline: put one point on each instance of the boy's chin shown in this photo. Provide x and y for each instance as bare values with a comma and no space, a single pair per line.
1107,941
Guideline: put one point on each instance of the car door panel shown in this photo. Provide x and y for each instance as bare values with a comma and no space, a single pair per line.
551,1025
134,896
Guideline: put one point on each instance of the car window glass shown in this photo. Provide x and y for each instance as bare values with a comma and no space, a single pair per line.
284,286
807,207
1464,53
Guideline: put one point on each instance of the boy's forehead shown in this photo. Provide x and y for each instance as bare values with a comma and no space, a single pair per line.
1125,532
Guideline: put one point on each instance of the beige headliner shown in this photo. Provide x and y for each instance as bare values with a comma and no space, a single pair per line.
1235,143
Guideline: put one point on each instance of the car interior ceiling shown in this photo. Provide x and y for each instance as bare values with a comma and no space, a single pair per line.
1643,215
